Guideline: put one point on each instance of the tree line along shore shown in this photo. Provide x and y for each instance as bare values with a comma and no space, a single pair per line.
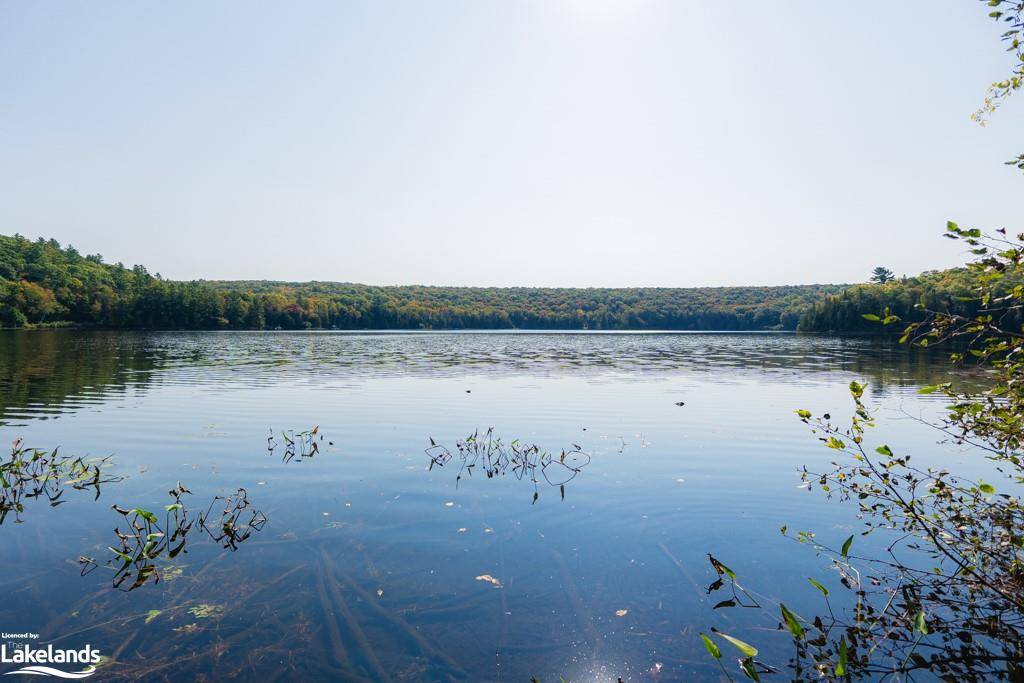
45,284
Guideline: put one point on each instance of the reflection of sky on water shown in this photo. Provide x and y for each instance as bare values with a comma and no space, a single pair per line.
666,484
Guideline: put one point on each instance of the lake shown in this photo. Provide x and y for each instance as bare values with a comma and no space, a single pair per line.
364,552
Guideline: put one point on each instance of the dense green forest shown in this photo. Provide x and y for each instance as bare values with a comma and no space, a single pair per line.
43,283
947,291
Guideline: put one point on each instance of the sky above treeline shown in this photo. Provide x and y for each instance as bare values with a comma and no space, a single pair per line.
535,143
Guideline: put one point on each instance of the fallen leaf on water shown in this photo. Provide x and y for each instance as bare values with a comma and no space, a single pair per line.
488,530
449,504
680,481
621,612
489,579
380,592
152,614
463,529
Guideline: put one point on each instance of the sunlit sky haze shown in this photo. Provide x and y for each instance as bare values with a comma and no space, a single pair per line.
576,143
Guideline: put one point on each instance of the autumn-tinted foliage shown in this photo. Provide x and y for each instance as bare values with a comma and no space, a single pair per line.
43,283
950,291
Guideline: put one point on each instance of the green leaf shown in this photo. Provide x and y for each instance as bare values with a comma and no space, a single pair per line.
920,625
824,591
146,515
931,389
884,450
872,317
711,647
986,488
803,413
846,546
721,568
121,555
833,442
792,623
748,669
841,665
747,649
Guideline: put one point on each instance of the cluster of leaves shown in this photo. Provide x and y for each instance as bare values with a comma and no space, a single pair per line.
298,446
43,283
1010,13
946,596
147,542
30,473
523,461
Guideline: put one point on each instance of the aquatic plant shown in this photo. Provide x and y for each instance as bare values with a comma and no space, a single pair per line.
31,473
298,446
523,461
146,542
946,595
234,523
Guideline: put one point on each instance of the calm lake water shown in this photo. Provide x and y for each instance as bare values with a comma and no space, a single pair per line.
371,564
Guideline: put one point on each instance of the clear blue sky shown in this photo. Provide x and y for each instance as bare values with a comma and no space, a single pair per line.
576,143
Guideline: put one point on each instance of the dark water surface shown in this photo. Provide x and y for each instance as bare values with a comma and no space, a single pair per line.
371,566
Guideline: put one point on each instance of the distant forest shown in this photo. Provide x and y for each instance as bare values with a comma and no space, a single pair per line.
948,291
45,284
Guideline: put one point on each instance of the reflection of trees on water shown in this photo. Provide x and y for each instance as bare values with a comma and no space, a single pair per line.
46,372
